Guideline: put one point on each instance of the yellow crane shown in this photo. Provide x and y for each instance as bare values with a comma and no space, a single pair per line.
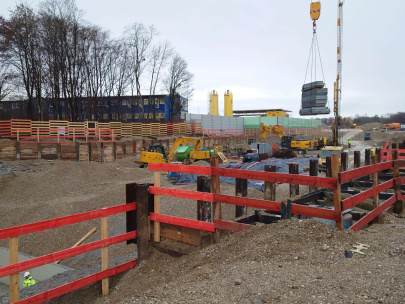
338,82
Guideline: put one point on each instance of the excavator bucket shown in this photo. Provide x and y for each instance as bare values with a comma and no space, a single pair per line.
315,10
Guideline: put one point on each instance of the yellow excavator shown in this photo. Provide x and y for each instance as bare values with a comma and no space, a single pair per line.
184,154
352,124
288,142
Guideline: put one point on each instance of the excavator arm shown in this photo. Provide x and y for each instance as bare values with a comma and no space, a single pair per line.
264,130
177,143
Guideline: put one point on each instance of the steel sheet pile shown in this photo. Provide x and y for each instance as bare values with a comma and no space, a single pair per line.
314,99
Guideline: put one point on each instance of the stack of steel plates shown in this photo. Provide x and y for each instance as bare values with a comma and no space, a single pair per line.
314,99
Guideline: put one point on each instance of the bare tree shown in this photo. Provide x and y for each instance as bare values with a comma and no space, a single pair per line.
6,80
20,49
159,58
139,38
178,83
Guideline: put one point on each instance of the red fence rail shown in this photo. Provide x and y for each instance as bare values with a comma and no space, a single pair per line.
13,269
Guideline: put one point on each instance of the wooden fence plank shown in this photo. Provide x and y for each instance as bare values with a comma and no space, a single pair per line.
104,256
63,221
231,226
246,174
373,214
243,201
362,196
179,221
64,254
359,172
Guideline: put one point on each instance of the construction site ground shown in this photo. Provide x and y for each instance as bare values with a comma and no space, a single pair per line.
293,261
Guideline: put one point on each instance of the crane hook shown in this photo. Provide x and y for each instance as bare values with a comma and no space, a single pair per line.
314,26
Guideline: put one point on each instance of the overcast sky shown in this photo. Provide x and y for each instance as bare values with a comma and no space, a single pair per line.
259,49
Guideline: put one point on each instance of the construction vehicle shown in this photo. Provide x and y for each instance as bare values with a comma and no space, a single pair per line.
264,130
352,124
328,151
393,126
367,136
184,154
288,141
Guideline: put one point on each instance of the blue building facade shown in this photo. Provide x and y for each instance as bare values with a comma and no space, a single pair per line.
103,109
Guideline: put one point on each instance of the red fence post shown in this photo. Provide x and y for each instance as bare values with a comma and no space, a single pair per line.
337,195
397,208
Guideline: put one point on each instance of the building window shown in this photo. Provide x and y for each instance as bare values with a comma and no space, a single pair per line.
1,106
124,102
145,101
157,103
151,115
157,115
162,101
136,116
129,116
105,116
162,115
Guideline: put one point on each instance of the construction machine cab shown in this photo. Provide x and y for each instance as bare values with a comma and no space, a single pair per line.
286,141
158,149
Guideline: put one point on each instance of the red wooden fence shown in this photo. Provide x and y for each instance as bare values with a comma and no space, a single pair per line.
331,183
13,269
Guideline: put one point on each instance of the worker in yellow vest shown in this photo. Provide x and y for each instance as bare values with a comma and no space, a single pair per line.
349,142
29,281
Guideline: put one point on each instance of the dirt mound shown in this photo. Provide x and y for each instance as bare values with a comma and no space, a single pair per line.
372,126
294,261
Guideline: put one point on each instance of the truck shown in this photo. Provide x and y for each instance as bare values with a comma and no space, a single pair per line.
328,151
393,126
185,154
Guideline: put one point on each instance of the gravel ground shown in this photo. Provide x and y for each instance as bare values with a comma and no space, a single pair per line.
289,262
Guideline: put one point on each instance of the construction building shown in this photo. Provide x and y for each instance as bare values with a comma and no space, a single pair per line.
102,109
263,112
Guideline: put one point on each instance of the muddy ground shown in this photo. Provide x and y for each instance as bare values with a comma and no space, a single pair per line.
295,261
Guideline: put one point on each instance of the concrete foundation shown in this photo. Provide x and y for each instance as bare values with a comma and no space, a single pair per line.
38,274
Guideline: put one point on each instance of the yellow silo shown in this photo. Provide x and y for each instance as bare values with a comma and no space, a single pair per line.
214,103
228,104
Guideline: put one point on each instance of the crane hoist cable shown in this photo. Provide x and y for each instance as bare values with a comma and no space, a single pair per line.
314,49
314,94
